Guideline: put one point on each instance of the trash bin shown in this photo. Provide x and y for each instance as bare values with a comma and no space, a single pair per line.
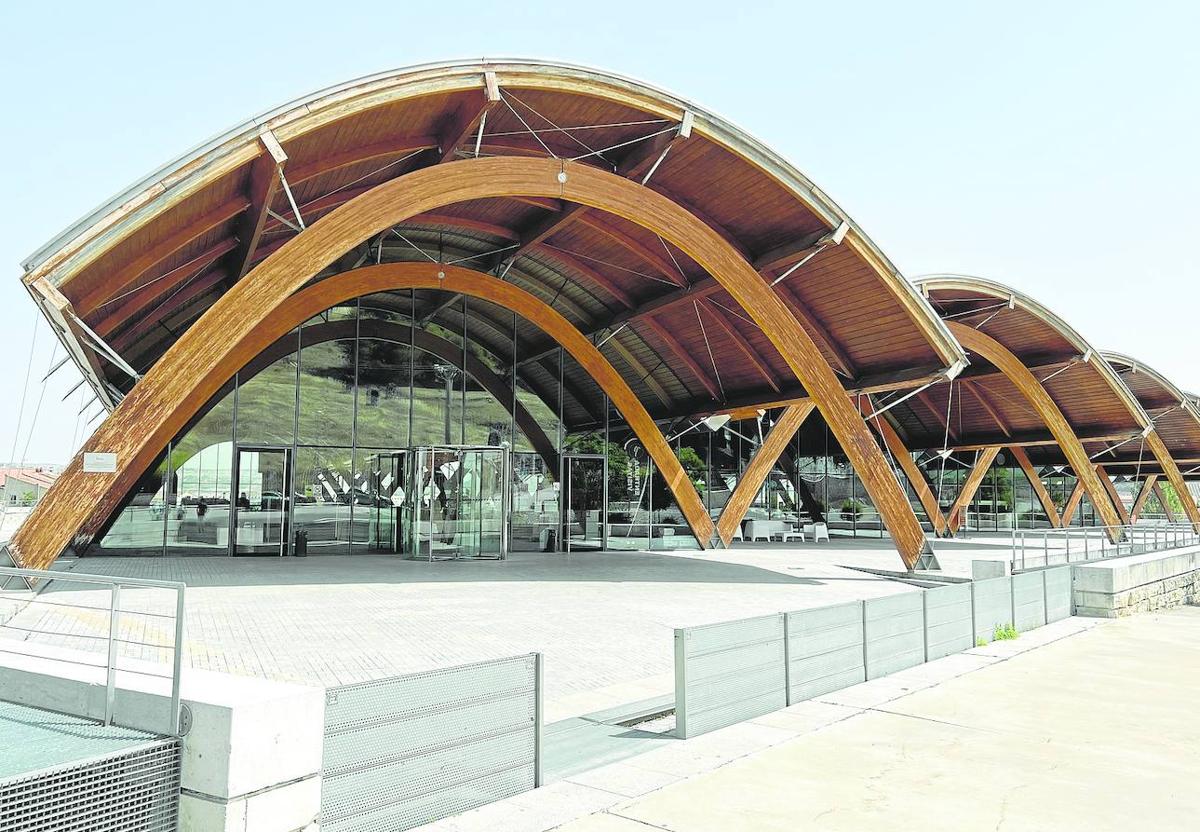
300,547
546,540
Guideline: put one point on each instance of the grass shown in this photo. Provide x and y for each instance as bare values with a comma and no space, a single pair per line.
1004,632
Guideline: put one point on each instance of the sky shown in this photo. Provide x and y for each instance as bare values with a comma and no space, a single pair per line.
1052,146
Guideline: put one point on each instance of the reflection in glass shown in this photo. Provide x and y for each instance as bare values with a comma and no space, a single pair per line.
326,414
325,489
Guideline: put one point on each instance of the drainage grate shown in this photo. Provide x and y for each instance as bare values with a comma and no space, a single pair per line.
136,790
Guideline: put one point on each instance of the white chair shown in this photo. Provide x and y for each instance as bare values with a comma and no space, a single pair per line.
737,533
819,530
758,530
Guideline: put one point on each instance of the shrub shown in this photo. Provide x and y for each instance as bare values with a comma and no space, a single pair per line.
1004,632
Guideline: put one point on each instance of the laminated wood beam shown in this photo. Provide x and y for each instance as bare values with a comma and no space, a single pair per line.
1144,494
1174,476
764,459
983,461
1073,501
1162,501
264,184
1039,487
1031,389
907,464
685,357
1113,496
185,376
741,344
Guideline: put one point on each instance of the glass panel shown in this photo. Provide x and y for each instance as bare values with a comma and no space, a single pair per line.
584,501
264,488
325,490
266,404
202,472
326,392
628,487
381,475
384,395
139,527
457,510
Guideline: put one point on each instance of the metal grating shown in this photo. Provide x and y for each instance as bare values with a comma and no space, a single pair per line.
993,606
825,650
948,626
409,750
136,790
1028,601
894,629
1058,593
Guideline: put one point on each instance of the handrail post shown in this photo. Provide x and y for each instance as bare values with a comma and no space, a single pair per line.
110,684
176,671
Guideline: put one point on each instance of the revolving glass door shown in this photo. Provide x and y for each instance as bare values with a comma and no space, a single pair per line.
457,503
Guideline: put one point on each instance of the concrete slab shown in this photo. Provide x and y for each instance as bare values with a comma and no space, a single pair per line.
1094,731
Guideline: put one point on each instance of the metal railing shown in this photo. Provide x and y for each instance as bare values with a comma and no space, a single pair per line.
39,619
1032,549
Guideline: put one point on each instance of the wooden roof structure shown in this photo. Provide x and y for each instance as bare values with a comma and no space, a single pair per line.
988,408
142,269
684,267
1175,413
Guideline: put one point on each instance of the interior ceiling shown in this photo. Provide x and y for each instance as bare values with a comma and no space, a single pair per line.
681,340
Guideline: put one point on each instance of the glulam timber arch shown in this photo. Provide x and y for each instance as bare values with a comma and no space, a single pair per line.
245,306
143,267
170,395
1176,426
1039,400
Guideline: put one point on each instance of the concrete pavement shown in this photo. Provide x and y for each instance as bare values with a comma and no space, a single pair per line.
1097,731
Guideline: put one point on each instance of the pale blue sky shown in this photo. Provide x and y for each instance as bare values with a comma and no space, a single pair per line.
1052,146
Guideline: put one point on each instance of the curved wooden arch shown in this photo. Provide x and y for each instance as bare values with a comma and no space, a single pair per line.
80,503
1026,382
212,341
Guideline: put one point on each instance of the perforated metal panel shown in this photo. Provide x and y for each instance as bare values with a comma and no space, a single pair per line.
728,672
1028,601
993,606
410,750
948,625
894,633
825,650
135,790
1058,593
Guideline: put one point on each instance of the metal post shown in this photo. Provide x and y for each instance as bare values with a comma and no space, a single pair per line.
176,677
866,668
1045,549
681,683
925,621
1086,556
538,688
110,685
787,662
971,627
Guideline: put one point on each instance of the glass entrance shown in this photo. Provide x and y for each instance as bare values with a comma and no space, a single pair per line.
260,512
386,492
585,480
457,505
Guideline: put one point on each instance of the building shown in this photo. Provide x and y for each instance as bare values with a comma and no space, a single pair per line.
459,309
24,486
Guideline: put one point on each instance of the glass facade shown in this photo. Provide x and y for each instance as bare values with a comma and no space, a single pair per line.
305,449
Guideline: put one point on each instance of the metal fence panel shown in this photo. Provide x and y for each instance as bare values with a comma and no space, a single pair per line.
948,624
825,650
728,672
1028,601
1058,593
993,606
894,631
409,750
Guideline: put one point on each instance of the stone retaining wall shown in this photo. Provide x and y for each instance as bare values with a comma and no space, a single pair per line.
1144,583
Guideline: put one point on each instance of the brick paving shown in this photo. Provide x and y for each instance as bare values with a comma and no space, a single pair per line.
603,620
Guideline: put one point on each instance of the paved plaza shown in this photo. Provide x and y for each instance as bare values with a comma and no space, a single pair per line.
603,620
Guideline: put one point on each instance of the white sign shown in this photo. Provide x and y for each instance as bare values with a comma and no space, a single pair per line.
99,463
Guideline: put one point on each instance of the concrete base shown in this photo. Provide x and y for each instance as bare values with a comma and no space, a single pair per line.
1143,583
251,759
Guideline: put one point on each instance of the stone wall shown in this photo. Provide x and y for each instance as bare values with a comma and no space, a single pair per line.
1144,583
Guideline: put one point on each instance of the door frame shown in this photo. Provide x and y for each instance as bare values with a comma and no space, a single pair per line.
565,498
289,475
